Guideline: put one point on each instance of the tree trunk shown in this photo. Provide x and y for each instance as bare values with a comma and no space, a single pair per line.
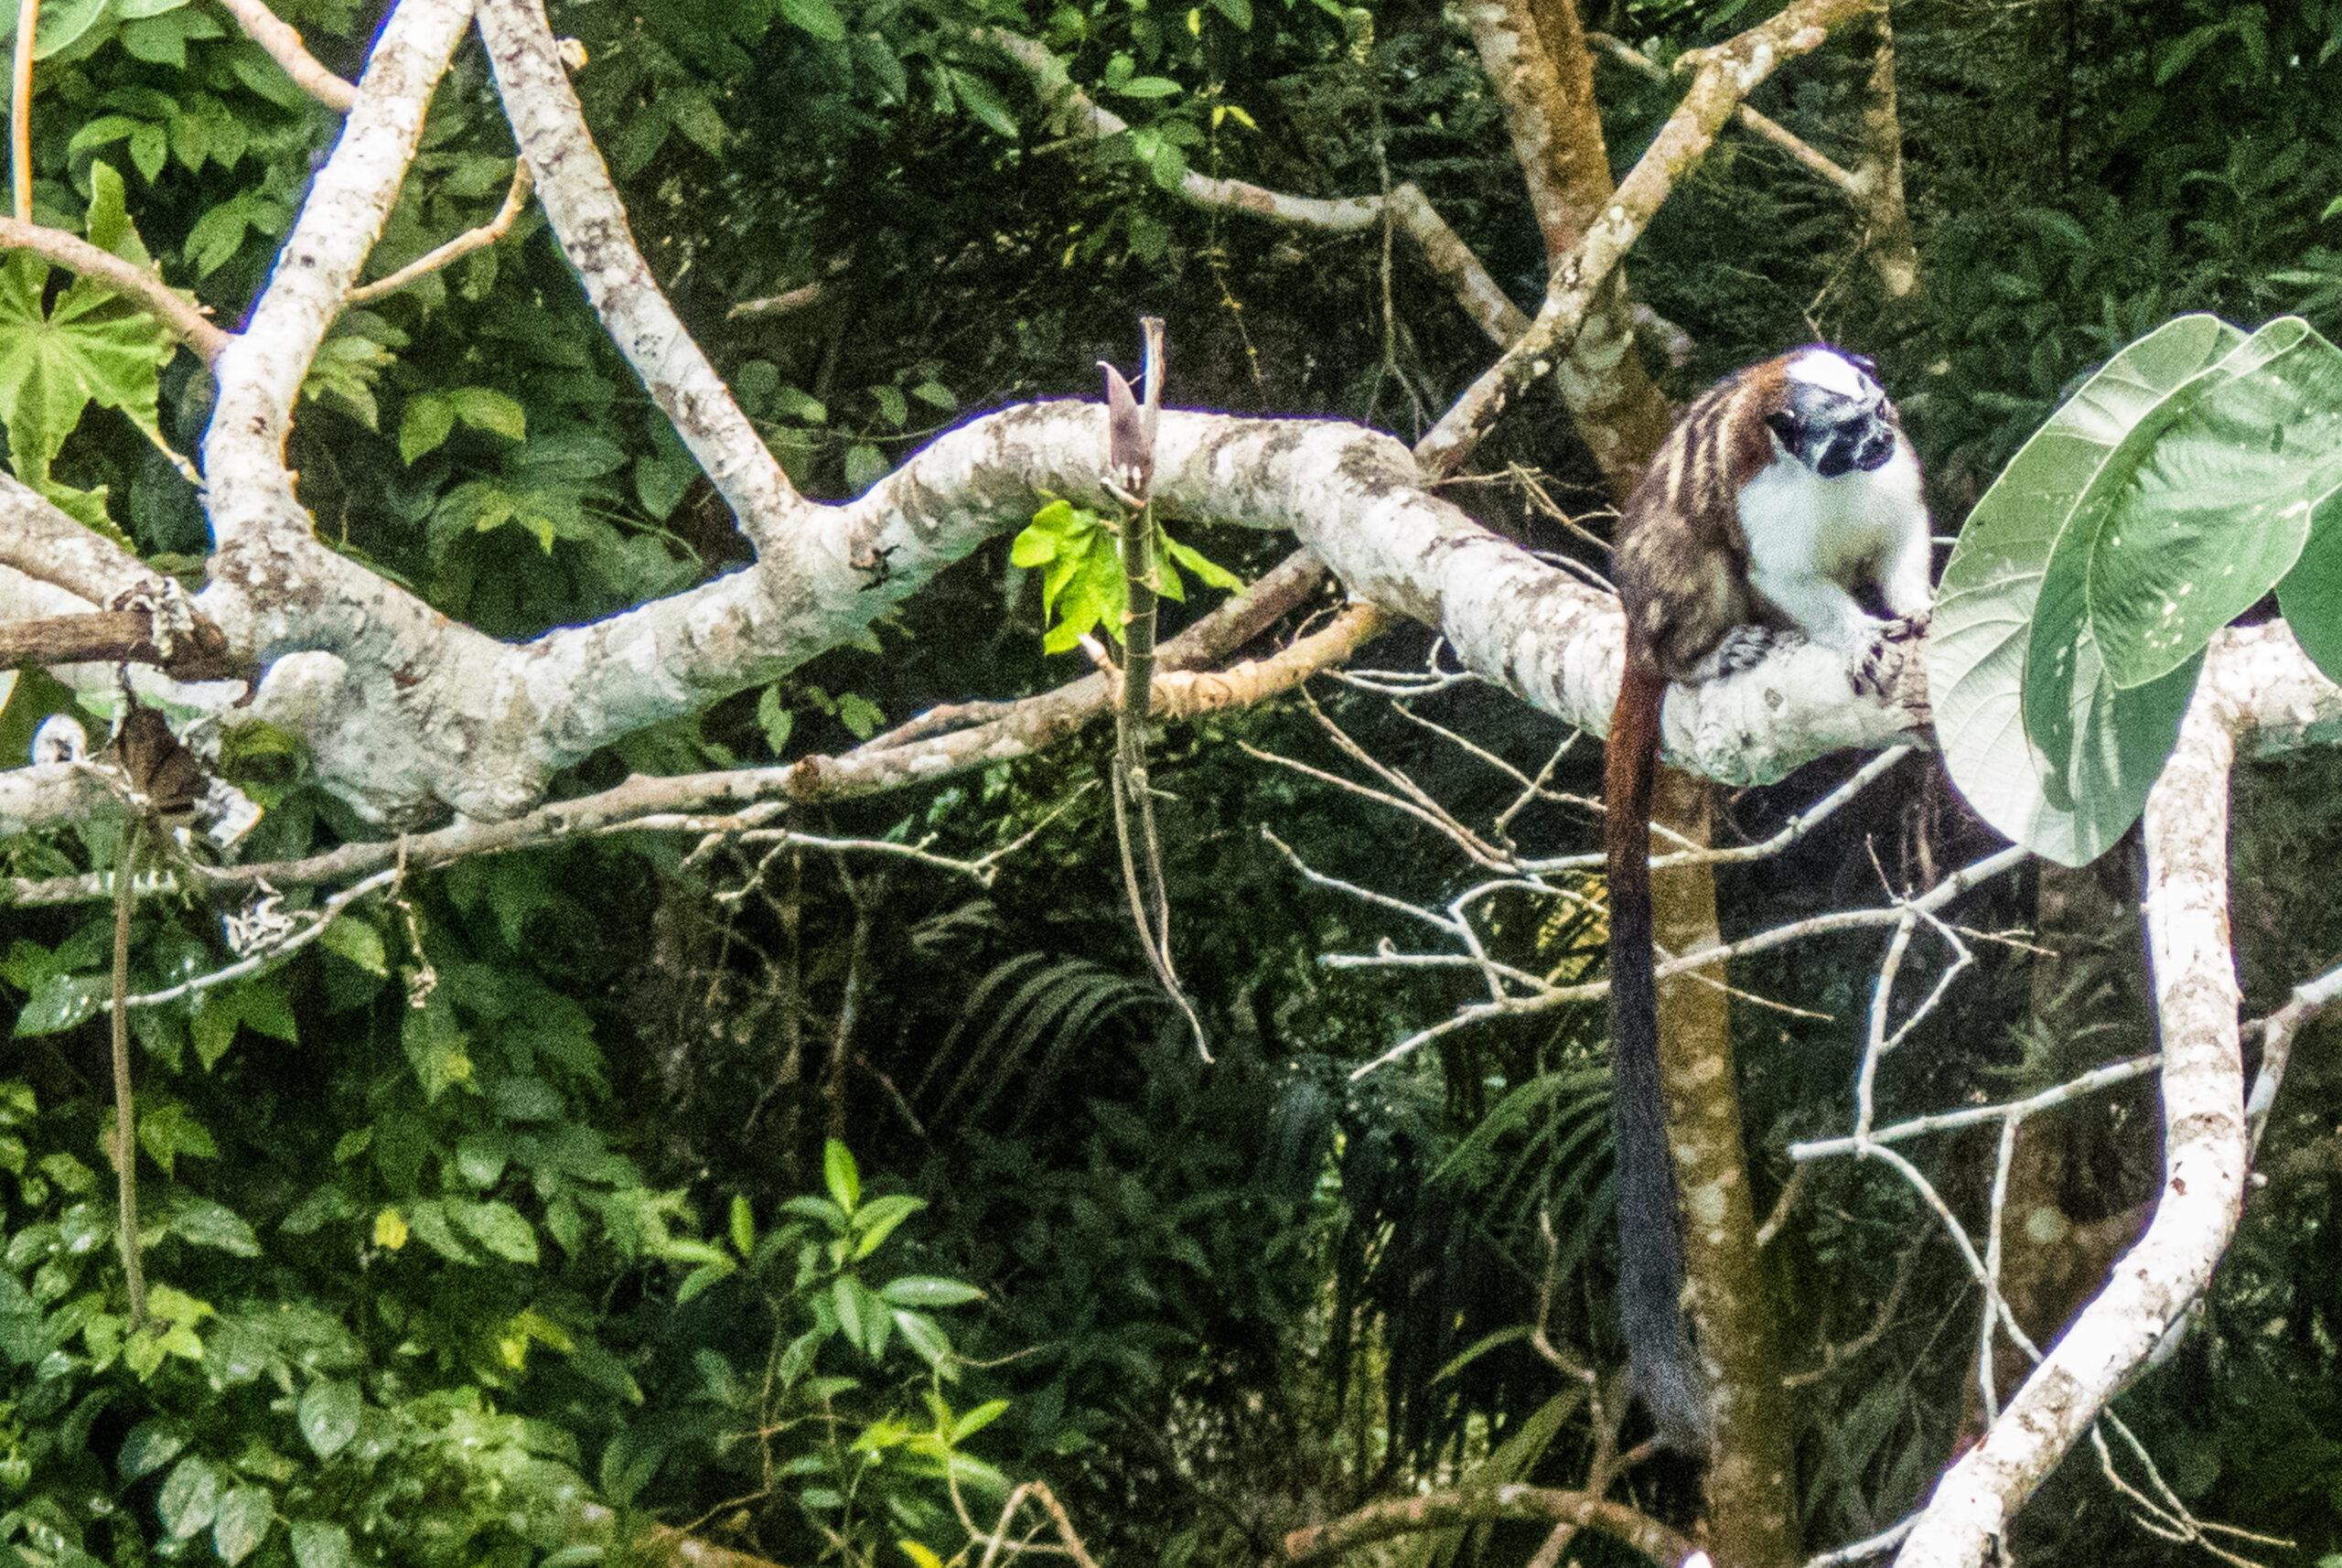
1751,1506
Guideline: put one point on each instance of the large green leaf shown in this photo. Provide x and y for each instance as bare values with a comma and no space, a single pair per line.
2311,595
62,24
1984,613
93,347
2203,507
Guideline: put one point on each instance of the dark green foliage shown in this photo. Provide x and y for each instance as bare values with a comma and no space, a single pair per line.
552,1233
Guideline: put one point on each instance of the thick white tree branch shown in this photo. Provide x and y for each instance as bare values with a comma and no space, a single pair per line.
408,712
2205,1147
51,547
260,373
590,222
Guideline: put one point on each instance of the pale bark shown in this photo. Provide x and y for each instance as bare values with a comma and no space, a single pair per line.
1489,306
1535,56
1771,130
582,206
278,37
1727,74
145,289
406,711
1448,1510
2206,1152
1750,1493
1887,240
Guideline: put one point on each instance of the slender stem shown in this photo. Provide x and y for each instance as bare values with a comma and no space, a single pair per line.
1139,569
125,1130
1150,902
20,109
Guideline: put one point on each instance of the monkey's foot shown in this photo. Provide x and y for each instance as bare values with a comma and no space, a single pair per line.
1743,648
1874,674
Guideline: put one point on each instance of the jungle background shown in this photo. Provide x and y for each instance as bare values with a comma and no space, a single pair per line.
519,1197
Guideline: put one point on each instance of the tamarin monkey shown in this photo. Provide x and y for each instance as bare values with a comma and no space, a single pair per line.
1786,487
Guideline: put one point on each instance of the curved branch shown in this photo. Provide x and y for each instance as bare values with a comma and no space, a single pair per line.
1536,58
2205,1147
1728,73
259,525
1486,304
407,713
463,244
284,45
928,748
1451,1510
144,289
49,546
1849,183
582,206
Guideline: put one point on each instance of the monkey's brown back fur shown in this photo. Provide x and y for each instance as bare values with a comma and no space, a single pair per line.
1679,554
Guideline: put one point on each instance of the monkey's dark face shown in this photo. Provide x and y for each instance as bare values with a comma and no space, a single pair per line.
1837,420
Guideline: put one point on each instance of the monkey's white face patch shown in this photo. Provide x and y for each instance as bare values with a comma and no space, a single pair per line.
1820,368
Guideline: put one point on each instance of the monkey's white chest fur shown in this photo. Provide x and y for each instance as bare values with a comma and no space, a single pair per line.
1812,540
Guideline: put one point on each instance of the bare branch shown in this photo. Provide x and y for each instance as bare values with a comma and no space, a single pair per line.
52,547
2277,1030
1726,74
144,289
1449,1511
116,637
254,516
2206,1150
1878,1545
1773,131
463,244
680,803
1486,304
284,44
781,304
20,112
1935,898
2091,1083
590,220
1534,54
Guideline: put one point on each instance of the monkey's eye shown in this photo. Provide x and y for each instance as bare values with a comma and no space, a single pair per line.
1864,363
1785,425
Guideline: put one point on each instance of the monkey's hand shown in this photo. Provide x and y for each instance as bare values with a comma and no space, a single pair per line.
1909,628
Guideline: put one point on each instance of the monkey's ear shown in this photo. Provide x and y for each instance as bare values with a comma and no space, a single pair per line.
1785,425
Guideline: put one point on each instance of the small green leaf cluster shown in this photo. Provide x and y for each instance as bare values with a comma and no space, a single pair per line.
836,1446
1083,584
2186,480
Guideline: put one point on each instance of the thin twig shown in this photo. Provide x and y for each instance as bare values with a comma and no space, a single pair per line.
20,111
1797,828
1878,1545
125,1124
1935,898
1852,185
1834,1356
269,957
2277,1031
463,244
1948,1121
273,33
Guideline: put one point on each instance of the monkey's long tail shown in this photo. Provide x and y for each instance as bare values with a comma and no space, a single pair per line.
1651,1244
